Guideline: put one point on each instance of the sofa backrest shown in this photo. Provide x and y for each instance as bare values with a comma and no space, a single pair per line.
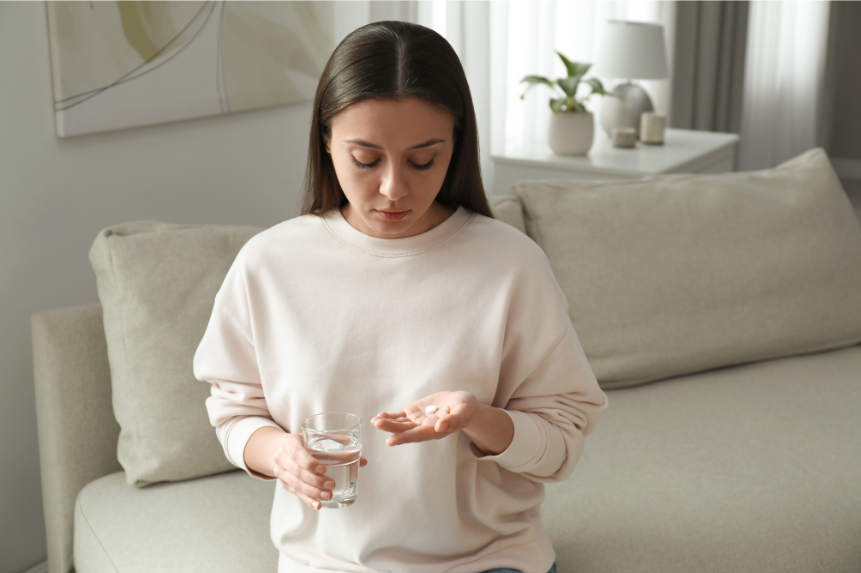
680,273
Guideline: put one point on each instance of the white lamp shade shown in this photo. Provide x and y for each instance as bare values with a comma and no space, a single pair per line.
632,50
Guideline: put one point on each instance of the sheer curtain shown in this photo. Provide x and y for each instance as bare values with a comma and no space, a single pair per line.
500,42
783,84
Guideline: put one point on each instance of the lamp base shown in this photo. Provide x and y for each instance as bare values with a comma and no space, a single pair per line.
616,113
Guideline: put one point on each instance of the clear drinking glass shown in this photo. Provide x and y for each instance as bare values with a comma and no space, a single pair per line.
335,438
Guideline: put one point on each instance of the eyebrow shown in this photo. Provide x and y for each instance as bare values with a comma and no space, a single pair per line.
364,143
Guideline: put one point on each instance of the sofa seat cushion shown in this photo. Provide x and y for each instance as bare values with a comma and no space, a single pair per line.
213,524
745,468
750,468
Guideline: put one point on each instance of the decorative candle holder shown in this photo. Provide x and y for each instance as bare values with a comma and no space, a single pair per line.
624,137
652,126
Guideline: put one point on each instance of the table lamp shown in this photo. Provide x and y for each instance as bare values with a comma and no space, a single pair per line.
629,50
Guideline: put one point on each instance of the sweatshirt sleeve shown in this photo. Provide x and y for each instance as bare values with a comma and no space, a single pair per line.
546,385
226,359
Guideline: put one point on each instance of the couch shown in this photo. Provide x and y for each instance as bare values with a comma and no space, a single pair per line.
720,313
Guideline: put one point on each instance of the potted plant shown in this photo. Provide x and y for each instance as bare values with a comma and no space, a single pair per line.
572,126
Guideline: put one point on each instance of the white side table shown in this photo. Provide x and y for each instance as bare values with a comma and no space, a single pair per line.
683,151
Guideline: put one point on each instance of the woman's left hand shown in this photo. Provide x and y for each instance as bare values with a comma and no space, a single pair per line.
454,412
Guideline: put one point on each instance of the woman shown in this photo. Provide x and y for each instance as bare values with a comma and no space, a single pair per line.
395,290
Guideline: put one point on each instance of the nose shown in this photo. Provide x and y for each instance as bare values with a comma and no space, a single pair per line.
394,184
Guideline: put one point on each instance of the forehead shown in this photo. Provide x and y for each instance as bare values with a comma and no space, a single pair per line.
388,122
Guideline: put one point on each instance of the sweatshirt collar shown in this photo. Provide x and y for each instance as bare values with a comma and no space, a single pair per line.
406,246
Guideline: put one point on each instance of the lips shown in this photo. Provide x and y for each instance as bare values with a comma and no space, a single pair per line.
392,216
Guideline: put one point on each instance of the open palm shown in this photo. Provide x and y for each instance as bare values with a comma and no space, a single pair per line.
454,411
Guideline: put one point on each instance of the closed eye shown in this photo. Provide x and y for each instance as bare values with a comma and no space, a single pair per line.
361,165
364,165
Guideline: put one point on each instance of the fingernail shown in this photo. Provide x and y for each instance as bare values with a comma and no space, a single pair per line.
325,495
317,505
321,469
329,484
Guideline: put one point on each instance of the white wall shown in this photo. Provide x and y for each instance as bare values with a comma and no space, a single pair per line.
55,196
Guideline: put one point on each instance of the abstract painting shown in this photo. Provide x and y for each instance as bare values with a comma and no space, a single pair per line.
124,64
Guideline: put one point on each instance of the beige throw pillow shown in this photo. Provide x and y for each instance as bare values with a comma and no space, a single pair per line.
675,274
157,284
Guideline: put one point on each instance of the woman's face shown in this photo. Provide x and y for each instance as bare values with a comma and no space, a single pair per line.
405,148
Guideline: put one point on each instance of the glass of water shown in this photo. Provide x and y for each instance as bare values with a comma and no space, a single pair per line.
335,438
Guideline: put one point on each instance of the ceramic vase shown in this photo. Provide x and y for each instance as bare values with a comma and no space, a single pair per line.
571,133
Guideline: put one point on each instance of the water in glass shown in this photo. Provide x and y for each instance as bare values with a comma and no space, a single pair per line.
340,453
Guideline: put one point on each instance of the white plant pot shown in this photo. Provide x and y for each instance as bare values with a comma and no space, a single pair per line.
571,133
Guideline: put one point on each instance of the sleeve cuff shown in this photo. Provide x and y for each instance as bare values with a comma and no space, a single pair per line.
524,447
238,438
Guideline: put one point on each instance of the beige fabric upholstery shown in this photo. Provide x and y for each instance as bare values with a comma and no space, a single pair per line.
508,209
744,468
214,524
77,430
750,468
677,274
157,284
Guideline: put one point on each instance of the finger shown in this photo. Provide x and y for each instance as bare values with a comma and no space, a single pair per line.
398,419
312,503
417,434
316,483
301,457
452,420
362,462
400,414
402,419
292,484
448,422
316,487
394,426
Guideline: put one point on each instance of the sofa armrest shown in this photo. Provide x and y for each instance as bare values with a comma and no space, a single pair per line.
78,433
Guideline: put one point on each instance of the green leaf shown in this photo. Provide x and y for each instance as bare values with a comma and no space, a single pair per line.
597,87
534,81
569,85
556,105
574,69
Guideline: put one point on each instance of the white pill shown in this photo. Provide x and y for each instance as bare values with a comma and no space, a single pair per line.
430,409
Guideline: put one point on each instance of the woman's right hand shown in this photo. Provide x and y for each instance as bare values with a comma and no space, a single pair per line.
302,474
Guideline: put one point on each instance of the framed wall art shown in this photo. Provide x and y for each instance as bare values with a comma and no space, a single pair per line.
123,64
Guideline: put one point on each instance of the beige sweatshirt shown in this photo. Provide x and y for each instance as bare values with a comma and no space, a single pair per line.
316,316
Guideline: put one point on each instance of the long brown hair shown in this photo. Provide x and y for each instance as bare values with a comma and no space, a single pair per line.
394,60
